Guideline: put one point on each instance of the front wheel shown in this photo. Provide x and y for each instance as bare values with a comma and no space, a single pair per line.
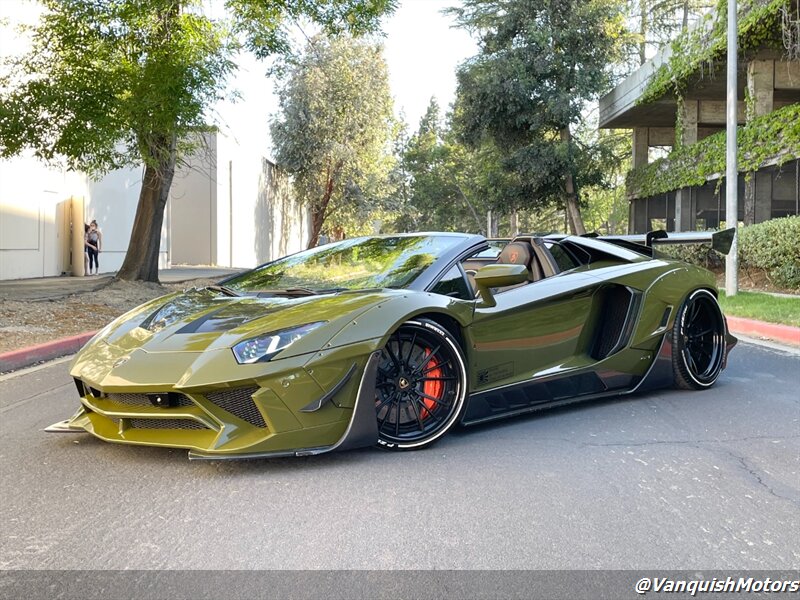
698,338
421,386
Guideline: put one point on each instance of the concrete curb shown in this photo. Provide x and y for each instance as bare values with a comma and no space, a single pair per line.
785,334
17,359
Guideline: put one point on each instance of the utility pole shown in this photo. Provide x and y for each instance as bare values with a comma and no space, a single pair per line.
731,170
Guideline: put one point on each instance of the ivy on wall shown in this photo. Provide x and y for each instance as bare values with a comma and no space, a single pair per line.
773,138
698,49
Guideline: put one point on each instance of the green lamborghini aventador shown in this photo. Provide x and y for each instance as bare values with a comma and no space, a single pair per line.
395,339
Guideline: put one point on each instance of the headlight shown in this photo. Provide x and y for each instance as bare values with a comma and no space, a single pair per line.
264,347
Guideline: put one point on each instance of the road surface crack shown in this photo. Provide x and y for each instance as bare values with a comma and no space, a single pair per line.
757,477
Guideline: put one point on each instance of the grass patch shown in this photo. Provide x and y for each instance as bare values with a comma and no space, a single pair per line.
762,307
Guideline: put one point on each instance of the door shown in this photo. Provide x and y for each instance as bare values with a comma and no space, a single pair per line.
535,330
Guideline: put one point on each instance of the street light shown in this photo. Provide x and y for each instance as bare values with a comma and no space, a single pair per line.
731,171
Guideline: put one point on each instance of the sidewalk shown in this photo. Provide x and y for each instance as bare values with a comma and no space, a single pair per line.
53,288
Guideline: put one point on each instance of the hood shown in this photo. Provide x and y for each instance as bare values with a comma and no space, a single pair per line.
200,320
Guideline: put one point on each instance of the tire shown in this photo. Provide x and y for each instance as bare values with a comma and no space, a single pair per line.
421,386
698,342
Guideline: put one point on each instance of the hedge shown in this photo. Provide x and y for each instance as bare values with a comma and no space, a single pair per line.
772,246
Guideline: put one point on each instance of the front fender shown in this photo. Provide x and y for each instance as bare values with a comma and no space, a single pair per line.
383,319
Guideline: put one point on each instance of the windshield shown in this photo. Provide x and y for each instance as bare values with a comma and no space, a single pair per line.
358,263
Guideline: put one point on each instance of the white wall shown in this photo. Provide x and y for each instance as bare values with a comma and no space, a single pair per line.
112,202
31,237
257,219
192,207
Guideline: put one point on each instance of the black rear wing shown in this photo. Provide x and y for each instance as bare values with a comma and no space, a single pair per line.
720,240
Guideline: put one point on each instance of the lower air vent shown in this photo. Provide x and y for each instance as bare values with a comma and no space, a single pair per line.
144,399
239,402
166,424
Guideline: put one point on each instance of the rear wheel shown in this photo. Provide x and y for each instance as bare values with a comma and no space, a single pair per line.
698,338
421,386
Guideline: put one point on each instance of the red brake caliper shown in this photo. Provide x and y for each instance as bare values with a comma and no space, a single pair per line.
431,388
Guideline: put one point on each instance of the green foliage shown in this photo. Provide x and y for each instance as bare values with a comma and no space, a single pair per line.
667,18
441,180
110,84
263,23
774,137
771,246
775,247
608,157
334,131
527,89
696,254
699,48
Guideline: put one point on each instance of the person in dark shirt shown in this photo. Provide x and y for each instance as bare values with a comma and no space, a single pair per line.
93,242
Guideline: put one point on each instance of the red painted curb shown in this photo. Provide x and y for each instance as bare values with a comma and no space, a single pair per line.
786,334
17,359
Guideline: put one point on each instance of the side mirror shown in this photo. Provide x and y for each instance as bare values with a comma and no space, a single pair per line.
494,276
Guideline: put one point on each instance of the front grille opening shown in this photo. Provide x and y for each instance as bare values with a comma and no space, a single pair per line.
79,385
165,424
239,402
176,399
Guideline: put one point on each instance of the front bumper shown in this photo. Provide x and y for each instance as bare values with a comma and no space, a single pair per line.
303,406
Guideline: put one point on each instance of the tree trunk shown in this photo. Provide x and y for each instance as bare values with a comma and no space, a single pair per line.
570,195
317,219
318,211
141,259
749,199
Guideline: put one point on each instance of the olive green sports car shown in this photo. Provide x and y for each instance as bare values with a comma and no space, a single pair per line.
395,339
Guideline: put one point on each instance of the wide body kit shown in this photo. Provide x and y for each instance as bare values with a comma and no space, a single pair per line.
166,374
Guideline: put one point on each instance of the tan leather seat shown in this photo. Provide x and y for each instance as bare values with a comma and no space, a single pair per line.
521,253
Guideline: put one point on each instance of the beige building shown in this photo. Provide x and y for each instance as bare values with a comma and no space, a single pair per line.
231,207
675,106
228,207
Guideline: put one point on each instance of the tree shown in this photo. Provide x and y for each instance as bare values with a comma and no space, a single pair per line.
124,83
335,129
441,179
661,20
541,61
606,209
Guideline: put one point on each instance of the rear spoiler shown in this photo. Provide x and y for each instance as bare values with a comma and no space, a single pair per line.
720,240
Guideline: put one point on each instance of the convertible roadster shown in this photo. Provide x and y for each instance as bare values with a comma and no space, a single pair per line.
395,339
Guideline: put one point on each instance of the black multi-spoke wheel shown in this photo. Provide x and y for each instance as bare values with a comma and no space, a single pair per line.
421,386
698,341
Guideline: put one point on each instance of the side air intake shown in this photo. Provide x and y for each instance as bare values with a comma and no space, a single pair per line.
618,309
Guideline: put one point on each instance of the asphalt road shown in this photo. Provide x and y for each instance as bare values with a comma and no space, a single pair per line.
669,480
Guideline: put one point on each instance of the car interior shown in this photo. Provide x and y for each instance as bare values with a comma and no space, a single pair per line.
523,250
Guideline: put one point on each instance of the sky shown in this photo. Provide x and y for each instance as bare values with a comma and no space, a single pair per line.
423,52
421,48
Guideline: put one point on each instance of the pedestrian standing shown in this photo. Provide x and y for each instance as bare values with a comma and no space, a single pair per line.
94,245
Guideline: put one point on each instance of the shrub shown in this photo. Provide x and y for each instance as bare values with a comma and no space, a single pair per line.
773,246
697,254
